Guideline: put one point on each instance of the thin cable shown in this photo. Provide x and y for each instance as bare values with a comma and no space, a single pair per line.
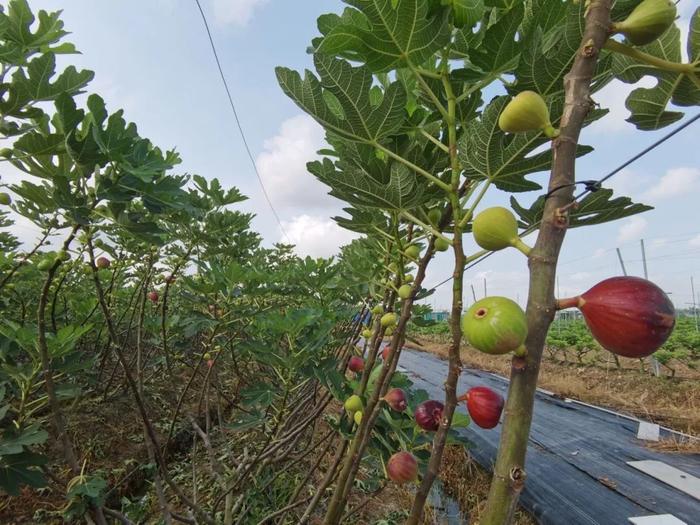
590,185
238,122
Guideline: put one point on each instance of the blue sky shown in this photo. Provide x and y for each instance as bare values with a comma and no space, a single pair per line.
152,58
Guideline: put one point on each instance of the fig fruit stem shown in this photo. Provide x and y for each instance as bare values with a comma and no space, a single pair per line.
641,56
518,244
568,302
425,226
509,472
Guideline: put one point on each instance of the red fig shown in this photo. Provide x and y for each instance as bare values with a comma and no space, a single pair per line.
428,415
484,406
402,467
628,316
396,399
153,297
102,263
386,352
356,364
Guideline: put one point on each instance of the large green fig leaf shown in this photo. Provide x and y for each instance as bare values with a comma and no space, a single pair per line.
596,208
401,191
385,36
340,101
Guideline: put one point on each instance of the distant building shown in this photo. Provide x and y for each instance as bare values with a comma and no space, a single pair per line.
437,316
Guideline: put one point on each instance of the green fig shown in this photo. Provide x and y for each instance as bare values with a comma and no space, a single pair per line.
5,199
408,278
413,251
45,265
495,325
527,112
378,309
647,22
353,404
389,331
434,215
405,291
441,245
496,228
388,320
357,416
367,334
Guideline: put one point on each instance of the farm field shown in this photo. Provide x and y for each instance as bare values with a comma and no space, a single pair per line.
223,224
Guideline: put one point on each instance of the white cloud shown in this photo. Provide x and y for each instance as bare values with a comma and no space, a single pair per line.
282,165
632,229
316,236
613,97
695,241
676,181
237,12
598,253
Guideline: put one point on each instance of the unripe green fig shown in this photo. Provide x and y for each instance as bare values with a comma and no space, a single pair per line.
357,416
495,325
378,309
408,278
393,267
44,265
389,331
5,199
413,251
353,403
496,228
647,22
63,255
527,112
206,356
367,334
388,320
441,245
434,215
405,291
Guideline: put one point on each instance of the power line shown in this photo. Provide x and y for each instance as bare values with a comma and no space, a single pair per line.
238,122
591,186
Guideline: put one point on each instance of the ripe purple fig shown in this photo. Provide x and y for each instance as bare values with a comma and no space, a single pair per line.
102,263
153,296
396,399
428,415
356,364
628,316
484,406
402,467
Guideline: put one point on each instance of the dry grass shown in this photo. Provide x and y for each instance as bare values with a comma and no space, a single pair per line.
675,445
468,483
671,402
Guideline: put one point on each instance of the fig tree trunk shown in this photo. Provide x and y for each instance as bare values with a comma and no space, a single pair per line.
509,473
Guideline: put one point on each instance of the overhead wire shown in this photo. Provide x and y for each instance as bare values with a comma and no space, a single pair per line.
589,188
238,121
